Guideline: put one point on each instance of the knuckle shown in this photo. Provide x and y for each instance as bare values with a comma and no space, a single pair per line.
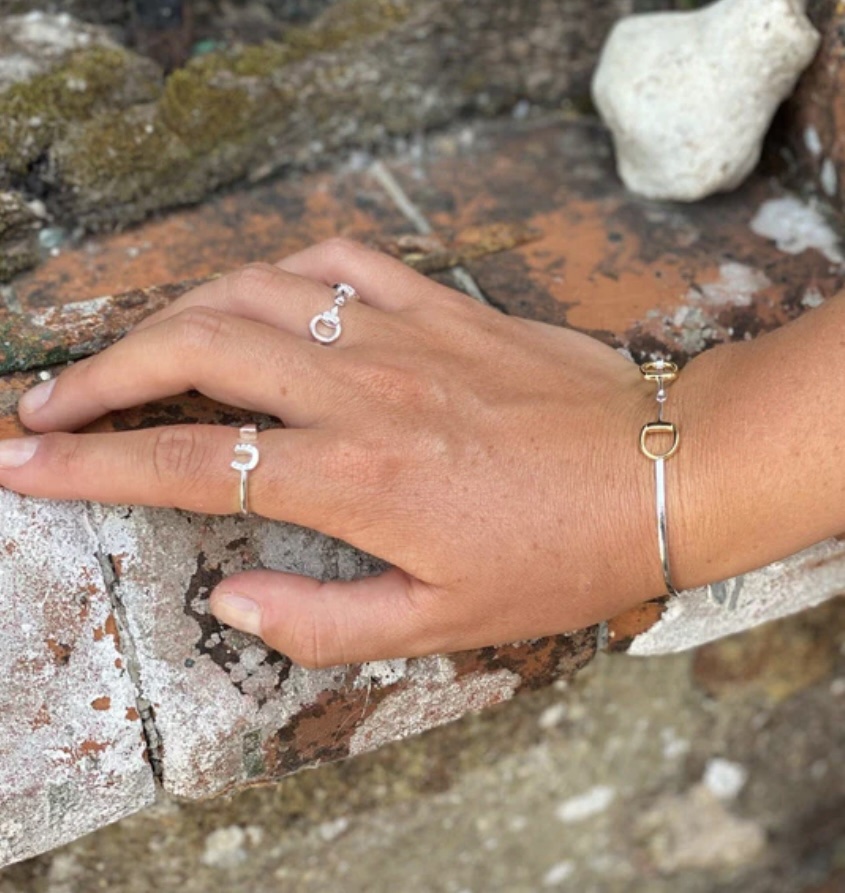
201,329
178,456
252,278
340,248
387,382
315,643
63,454
370,464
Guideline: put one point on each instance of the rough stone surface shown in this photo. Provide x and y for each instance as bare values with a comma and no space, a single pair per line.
815,116
650,277
695,830
473,805
34,44
219,710
690,96
57,72
721,609
248,112
72,750
228,710
19,227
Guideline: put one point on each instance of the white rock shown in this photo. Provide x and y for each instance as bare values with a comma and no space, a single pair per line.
558,873
795,226
224,848
592,802
724,779
689,95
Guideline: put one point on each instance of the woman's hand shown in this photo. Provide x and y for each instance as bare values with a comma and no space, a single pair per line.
492,461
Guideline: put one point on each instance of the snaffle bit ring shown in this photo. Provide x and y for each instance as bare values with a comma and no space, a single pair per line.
246,458
326,327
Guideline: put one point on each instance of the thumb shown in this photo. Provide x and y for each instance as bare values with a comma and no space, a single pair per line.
324,624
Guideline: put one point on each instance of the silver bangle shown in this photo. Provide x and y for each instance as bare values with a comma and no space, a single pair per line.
663,373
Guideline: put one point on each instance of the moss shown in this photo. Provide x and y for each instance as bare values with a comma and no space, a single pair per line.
345,22
207,104
126,156
34,113
115,157
220,96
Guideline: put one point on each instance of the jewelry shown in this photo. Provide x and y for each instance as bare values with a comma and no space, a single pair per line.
246,447
325,326
663,372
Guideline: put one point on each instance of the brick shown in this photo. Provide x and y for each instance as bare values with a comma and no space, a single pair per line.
643,275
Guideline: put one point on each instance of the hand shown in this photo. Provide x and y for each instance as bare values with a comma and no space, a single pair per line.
492,461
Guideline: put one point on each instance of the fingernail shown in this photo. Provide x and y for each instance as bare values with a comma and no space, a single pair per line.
238,611
17,451
36,397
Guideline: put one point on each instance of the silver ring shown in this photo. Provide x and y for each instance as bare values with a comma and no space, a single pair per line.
326,327
246,458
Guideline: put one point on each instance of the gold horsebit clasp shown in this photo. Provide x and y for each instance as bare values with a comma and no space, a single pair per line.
663,372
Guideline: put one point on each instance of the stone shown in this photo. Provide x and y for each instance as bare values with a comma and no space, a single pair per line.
247,112
695,830
689,96
72,746
55,72
19,226
34,44
772,662
815,115
120,675
702,615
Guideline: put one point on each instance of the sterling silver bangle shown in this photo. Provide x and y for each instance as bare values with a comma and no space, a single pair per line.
663,373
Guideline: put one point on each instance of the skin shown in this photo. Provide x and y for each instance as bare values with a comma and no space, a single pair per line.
493,461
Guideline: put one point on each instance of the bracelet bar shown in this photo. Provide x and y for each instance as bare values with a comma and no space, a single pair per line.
661,373
662,535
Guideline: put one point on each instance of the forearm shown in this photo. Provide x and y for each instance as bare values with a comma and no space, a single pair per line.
761,471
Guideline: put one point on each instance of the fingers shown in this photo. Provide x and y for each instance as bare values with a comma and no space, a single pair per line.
325,624
180,466
382,281
260,292
233,360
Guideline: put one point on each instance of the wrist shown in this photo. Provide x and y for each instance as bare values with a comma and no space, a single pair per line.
759,474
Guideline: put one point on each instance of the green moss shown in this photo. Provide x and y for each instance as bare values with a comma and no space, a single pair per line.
220,96
126,155
345,22
34,113
115,156
206,104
